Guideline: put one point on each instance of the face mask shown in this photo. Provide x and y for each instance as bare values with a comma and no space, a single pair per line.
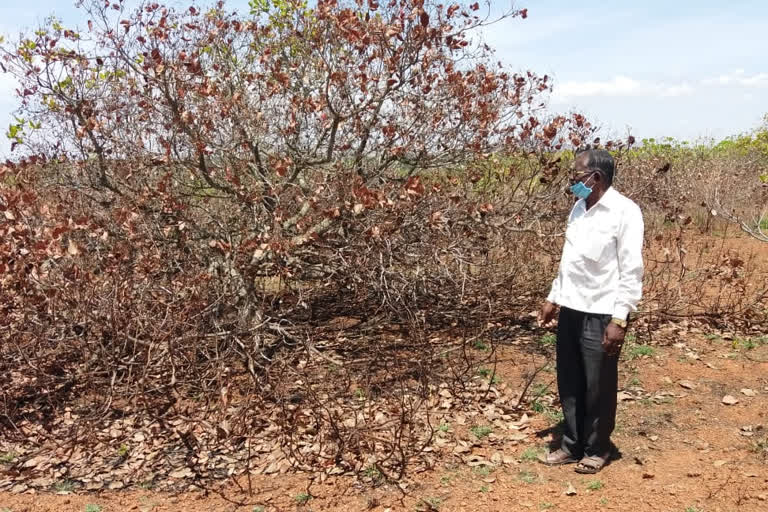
580,190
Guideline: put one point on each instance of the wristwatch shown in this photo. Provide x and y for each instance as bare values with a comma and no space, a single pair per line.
618,321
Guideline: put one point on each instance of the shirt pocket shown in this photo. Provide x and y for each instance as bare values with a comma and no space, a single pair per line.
600,244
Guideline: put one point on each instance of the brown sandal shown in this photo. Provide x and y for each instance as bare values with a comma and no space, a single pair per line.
592,464
557,458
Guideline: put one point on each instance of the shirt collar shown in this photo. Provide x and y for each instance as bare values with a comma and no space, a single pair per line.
607,201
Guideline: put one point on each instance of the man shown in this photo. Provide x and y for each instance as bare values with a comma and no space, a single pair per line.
598,284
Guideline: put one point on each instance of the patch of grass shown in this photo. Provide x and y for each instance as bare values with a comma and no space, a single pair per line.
634,381
603,501
93,508
548,340
554,415
484,372
595,485
64,486
483,470
374,474
713,337
692,509
636,351
123,450
444,427
258,508
484,489
630,338
528,477
302,498
547,506
7,457
487,373
760,446
480,345
749,343
360,394
481,431
540,389
531,454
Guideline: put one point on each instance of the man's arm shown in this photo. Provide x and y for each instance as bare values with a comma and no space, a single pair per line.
629,247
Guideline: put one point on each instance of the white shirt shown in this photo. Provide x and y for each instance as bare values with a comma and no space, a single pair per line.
601,270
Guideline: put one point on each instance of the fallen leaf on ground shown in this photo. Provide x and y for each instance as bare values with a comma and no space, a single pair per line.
748,392
570,490
687,384
730,400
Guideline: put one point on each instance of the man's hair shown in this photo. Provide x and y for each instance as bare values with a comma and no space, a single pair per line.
601,161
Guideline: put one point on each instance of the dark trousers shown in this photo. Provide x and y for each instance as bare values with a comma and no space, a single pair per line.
587,381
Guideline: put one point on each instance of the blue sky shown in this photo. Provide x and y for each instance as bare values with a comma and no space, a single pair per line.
684,68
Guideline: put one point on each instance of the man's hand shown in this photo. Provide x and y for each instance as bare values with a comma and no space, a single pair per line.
613,339
547,314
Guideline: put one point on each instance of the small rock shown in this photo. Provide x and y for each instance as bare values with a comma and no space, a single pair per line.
748,392
648,476
653,438
687,384
570,490
666,380
18,488
719,463
701,445
762,497
508,459
730,400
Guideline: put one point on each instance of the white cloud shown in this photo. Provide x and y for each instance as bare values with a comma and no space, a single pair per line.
617,86
740,78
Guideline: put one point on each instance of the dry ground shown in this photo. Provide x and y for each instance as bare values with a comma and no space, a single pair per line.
681,448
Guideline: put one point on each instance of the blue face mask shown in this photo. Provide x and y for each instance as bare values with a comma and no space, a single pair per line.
580,190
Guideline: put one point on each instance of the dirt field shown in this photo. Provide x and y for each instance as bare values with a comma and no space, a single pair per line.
681,448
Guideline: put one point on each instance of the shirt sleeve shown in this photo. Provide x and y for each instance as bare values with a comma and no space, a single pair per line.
629,246
553,292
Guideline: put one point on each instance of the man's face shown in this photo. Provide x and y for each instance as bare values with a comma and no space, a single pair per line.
579,172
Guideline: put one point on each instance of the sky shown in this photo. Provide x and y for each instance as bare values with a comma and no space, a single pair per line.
689,69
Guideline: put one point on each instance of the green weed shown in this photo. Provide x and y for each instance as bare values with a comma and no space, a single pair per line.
483,470
531,454
636,351
529,477
481,431
93,508
7,457
64,486
548,340
302,498
595,485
